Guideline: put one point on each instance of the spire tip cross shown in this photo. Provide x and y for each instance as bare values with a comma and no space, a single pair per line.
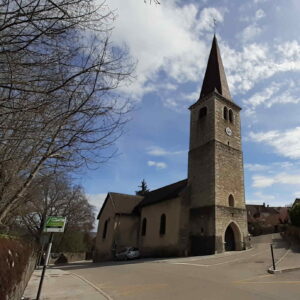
215,24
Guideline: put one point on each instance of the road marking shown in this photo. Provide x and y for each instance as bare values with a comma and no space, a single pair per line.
252,278
264,282
278,261
204,257
217,264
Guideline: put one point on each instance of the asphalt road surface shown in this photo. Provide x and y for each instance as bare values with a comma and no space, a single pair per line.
231,275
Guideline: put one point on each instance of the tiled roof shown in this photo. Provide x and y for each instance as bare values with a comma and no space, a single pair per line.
164,193
261,209
122,203
215,78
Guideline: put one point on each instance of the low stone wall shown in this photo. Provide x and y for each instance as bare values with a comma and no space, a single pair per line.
17,262
292,234
70,256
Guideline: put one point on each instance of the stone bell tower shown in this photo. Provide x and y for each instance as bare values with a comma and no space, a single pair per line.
217,216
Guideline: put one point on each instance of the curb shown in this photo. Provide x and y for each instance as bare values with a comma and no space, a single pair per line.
271,271
106,296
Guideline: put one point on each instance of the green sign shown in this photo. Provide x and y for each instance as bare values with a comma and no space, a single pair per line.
55,224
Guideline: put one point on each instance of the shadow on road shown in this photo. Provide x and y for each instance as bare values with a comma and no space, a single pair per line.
91,264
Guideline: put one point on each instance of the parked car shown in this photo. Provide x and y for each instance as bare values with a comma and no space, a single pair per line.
128,253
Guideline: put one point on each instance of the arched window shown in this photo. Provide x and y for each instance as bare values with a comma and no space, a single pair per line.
144,227
230,116
225,113
162,228
202,112
231,200
104,230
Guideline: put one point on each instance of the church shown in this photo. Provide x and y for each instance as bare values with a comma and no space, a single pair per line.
203,214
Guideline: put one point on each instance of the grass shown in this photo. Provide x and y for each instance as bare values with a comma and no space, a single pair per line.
7,236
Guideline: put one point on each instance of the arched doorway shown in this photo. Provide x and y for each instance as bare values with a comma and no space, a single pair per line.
232,237
229,239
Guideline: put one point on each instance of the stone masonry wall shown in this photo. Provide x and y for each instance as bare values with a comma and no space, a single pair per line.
224,217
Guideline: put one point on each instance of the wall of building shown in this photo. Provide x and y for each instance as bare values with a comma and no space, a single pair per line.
221,124
229,176
202,129
126,233
224,217
103,246
202,230
154,244
202,176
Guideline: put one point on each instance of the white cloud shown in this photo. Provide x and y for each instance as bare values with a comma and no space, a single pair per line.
283,92
260,1
207,16
157,164
260,181
261,97
259,14
290,49
285,143
260,198
158,151
250,32
256,167
163,38
170,41
96,200
297,194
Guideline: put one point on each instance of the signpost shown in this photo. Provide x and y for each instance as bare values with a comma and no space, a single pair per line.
53,224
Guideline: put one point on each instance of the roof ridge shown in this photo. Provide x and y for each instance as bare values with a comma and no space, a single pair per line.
163,187
124,194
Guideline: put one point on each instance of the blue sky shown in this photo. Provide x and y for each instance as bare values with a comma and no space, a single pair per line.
260,47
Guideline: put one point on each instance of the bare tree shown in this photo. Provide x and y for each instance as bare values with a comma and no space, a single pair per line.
54,195
58,75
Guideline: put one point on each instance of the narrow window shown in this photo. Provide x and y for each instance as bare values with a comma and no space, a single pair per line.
231,200
203,112
144,227
225,113
230,116
162,229
105,229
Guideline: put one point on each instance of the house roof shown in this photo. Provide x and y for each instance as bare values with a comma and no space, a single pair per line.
122,203
261,209
215,78
164,193
297,201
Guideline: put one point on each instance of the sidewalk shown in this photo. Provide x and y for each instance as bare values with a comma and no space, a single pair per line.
59,284
290,261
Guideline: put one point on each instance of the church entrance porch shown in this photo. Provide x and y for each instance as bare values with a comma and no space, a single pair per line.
229,239
232,238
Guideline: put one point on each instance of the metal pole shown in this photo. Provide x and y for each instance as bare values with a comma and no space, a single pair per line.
45,266
274,267
40,257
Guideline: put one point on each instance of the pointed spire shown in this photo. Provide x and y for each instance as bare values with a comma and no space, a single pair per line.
215,78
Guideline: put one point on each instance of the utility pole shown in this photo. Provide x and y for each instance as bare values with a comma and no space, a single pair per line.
53,224
45,266
273,260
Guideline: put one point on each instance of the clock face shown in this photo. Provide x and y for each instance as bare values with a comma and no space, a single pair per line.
228,131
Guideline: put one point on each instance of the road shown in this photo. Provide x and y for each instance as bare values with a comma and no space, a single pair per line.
231,275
